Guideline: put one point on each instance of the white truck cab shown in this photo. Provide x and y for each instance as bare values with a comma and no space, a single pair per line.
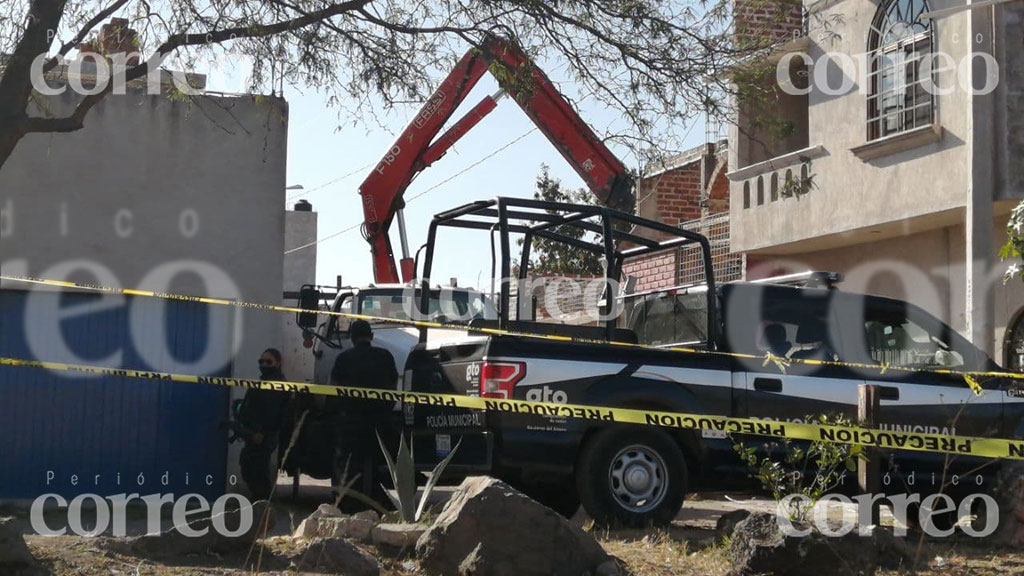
330,336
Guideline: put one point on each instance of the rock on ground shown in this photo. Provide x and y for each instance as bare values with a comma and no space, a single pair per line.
328,522
727,522
758,546
335,556
172,543
15,557
398,535
490,529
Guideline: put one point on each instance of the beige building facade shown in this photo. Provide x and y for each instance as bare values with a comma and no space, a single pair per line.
901,160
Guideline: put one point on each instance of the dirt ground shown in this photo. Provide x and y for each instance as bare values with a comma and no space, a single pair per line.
689,546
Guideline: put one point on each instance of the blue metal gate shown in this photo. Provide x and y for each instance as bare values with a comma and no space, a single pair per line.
71,434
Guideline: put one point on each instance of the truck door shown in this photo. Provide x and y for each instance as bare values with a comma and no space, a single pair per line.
914,397
779,325
334,338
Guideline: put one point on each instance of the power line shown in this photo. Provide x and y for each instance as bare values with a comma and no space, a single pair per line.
432,188
324,239
338,179
471,166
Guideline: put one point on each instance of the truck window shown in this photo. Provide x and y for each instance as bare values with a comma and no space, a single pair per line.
665,319
903,340
338,325
789,323
796,334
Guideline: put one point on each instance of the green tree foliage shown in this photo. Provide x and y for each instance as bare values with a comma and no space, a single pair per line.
1013,250
552,258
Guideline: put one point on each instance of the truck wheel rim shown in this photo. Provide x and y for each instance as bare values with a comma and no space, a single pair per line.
638,478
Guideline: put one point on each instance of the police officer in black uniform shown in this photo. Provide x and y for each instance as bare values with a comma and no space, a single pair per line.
359,421
259,424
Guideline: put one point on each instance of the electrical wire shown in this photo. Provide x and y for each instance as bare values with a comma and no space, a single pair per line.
471,166
432,188
324,239
338,179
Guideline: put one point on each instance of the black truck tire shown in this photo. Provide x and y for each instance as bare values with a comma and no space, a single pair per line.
631,477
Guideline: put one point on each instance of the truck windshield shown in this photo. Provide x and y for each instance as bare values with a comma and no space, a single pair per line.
667,318
460,306
913,339
449,305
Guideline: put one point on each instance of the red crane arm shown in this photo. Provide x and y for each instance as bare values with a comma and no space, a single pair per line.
416,148
383,189
604,174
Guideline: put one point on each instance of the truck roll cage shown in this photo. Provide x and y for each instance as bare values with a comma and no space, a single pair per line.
614,235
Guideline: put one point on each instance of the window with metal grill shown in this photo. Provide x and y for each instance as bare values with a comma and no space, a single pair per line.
899,45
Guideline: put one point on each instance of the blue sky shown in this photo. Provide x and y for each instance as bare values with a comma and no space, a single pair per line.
318,154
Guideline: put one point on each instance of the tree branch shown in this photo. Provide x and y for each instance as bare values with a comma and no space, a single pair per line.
77,119
88,27
15,79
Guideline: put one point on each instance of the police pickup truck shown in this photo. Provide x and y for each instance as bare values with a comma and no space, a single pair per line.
636,475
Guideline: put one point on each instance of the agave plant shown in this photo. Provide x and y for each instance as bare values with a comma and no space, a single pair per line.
403,476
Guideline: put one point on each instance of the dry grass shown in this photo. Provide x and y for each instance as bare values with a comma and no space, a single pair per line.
664,553
681,550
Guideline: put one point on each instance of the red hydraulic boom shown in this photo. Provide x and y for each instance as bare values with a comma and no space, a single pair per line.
417,148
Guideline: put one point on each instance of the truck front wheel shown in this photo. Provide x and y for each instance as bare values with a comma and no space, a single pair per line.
631,477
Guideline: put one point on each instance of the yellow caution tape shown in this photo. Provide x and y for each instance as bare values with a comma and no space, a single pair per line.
974,384
781,363
854,435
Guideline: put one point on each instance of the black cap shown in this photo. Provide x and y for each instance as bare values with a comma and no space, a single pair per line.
360,329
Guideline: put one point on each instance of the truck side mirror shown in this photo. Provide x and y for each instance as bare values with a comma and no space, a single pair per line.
309,299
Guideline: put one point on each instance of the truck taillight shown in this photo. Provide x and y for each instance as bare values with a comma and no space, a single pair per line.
499,379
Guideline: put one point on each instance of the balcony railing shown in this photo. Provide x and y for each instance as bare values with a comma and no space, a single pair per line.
783,177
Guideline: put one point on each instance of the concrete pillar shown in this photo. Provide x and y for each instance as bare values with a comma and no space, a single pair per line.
980,255
299,268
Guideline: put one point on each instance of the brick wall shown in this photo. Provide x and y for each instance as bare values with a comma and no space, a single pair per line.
761,23
654,271
673,197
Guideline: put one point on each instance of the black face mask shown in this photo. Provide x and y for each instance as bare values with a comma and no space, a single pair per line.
266,371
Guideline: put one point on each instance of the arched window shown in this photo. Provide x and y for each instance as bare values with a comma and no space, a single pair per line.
775,186
746,194
899,43
760,190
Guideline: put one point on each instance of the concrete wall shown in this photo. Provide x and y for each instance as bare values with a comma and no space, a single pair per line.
299,268
850,193
915,268
179,196
926,268
1010,109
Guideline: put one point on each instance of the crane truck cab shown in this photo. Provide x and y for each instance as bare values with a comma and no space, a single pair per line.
328,335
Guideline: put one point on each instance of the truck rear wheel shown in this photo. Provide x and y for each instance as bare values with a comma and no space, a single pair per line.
631,477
